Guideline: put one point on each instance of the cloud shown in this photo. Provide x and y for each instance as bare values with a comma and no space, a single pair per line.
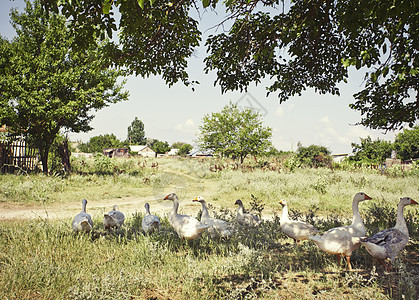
279,111
189,125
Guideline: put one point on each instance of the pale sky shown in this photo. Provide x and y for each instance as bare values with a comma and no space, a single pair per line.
174,114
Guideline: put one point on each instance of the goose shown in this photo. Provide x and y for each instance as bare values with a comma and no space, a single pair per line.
297,230
342,241
246,219
82,221
185,226
150,223
216,227
113,219
386,244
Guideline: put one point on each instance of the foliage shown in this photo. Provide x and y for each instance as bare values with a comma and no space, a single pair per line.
370,151
407,144
96,144
184,149
314,156
297,44
46,86
136,133
159,147
234,133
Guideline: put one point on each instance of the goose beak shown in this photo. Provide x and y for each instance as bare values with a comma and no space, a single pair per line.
167,197
195,200
413,201
367,197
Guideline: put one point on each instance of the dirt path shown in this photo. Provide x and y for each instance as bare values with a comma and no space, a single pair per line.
127,205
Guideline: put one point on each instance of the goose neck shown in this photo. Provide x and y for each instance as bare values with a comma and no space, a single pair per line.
175,206
285,216
400,221
205,214
83,208
356,218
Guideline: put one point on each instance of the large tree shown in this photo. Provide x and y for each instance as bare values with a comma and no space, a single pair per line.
407,144
290,45
234,132
45,85
136,133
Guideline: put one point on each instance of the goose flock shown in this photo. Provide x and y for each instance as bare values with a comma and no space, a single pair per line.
341,241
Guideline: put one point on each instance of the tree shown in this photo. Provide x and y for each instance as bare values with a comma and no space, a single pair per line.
184,149
407,144
308,44
45,85
96,144
314,156
234,132
136,133
158,146
371,151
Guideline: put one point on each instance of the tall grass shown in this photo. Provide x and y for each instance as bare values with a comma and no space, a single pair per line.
44,259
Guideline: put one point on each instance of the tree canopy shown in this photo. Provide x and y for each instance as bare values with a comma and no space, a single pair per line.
136,133
289,45
407,144
314,156
371,151
96,144
45,85
234,132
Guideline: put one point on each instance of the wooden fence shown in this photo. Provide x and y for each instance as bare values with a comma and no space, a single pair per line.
17,156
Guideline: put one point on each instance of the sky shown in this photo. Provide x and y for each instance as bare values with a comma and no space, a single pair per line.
174,114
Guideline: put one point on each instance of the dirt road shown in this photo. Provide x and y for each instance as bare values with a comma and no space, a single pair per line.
96,208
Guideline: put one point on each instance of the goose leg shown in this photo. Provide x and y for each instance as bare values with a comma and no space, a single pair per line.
339,258
348,259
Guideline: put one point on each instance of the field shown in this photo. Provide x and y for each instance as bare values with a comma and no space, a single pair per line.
41,258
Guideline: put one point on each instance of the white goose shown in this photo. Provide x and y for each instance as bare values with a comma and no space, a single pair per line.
342,241
297,230
386,244
82,221
216,227
150,223
113,219
246,219
186,227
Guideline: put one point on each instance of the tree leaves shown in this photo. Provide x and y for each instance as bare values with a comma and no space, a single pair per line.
234,133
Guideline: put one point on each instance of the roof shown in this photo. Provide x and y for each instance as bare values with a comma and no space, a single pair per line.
138,148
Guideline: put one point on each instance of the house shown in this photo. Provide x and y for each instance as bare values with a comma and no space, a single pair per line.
200,153
143,150
173,152
338,158
116,152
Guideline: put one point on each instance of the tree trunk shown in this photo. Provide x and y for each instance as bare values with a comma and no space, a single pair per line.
44,159
65,155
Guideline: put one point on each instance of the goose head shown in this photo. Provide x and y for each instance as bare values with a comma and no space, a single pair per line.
283,202
199,199
238,202
171,196
407,201
359,197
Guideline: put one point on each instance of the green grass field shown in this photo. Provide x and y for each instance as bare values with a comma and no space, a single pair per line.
41,258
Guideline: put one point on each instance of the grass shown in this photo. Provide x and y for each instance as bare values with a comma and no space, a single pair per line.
44,259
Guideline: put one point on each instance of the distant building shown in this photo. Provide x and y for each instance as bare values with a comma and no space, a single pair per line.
116,152
143,150
173,152
200,153
338,158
